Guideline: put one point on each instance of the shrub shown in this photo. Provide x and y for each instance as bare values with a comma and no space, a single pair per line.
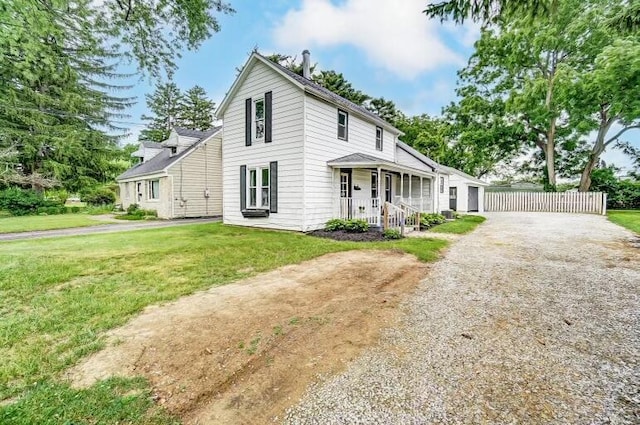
75,210
52,210
21,201
621,194
335,224
131,209
428,220
356,226
392,234
351,226
99,196
59,196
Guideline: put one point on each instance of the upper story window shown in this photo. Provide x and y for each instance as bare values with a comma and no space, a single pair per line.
343,125
379,138
258,119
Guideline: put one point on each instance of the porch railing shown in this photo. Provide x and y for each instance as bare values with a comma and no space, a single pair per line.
421,204
402,217
366,209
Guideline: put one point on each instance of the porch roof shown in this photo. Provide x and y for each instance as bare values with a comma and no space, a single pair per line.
363,160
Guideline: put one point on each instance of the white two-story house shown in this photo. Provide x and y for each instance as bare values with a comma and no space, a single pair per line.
296,155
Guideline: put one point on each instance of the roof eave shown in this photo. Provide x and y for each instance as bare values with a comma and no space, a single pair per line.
243,75
379,121
386,165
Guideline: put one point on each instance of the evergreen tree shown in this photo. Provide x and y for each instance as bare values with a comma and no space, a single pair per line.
164,104
195,110
59,106
336,82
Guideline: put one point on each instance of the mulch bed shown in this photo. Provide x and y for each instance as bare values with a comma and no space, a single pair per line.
341,235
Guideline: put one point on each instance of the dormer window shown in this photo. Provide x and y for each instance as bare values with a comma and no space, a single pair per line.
258,119
174,150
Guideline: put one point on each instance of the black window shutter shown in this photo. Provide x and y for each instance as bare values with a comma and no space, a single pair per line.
247,122
273,185
243,187
267,116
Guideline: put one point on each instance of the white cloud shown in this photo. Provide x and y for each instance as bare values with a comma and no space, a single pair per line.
394,35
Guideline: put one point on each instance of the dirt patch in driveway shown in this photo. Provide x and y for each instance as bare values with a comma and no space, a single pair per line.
244,352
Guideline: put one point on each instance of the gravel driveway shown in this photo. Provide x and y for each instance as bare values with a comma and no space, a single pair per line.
533,318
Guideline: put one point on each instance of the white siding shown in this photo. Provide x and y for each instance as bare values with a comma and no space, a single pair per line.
322,145
463,193
409,160
162,205
192,175
443,196
463,185
286,148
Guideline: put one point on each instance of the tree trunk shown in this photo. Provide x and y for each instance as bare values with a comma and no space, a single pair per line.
550,147
598,147
550,155
585,178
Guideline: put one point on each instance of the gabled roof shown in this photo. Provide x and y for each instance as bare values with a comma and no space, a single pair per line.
164,159
369,161
186,132
306,85
151,145
451,170
420,157
358,157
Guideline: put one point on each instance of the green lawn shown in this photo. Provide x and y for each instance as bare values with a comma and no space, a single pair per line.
464,224
45,222
58,296
629,219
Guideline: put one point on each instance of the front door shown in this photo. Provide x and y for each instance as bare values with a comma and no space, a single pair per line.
473,199
344,185
387,187
453,198
345,194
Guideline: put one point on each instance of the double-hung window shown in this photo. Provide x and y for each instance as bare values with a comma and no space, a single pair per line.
154,189
343,125
379,138
258,188
441,184
258,119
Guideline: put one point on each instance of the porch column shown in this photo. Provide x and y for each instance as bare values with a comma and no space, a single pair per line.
410,192
380,180
421,195
401,186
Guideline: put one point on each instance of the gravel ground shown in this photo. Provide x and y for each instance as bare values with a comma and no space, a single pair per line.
533,318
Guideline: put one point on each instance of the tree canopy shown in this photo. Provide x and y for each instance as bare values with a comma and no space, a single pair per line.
62,99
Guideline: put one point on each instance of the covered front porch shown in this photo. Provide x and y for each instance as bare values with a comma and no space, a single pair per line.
385,195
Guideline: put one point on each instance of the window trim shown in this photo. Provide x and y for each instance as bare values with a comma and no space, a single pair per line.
150,191
380,140
251,186
259,186
346,125
254,120
267,186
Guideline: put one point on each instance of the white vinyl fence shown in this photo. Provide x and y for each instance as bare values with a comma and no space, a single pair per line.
568,202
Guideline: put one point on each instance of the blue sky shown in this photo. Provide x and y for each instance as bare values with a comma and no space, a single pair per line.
384,48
